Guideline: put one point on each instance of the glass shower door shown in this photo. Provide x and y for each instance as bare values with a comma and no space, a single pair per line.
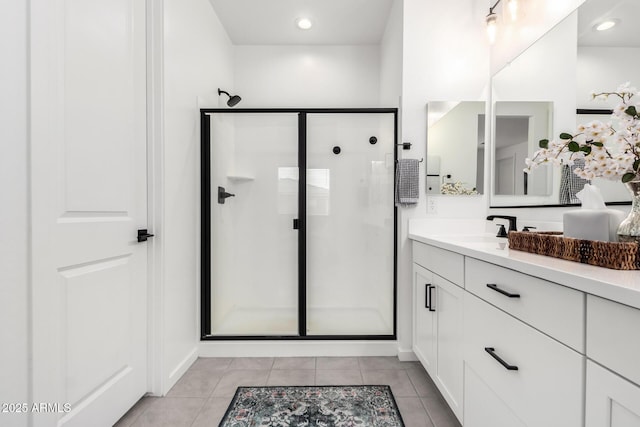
350,224
254,247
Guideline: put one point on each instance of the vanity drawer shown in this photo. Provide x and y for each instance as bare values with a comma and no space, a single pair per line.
547,387
612,336
553,309
447,264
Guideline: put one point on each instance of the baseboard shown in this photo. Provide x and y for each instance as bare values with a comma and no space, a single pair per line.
179,370
297,348
407,355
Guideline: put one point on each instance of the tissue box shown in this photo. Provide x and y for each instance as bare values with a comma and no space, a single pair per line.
592,224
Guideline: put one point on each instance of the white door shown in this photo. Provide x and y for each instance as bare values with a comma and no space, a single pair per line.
505,176
88,176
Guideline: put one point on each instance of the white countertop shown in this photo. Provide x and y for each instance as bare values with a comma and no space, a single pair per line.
622,286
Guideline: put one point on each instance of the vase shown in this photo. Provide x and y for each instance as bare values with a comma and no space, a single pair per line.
629,229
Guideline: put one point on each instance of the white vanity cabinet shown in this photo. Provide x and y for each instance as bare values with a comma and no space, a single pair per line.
613,368
506,355
437,339
544,342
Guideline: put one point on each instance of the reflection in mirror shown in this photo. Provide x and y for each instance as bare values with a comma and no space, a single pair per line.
605,60
518,128
455,147
612,191
564,67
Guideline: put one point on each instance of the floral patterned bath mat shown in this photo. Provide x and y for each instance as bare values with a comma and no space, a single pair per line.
313,406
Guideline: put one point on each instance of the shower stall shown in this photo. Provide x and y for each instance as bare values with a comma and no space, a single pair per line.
298,223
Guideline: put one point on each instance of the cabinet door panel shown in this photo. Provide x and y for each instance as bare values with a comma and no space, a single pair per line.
612,401
448,309
612,336
482,407
424,340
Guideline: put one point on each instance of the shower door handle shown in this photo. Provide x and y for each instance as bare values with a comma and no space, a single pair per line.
222,194
296,224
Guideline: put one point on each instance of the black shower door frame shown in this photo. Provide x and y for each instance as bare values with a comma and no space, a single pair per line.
205,172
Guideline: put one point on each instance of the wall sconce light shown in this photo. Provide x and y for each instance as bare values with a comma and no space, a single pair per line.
492,18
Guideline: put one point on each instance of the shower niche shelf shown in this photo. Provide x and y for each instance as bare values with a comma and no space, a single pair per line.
240,178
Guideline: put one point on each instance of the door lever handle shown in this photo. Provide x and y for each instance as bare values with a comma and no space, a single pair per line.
143,235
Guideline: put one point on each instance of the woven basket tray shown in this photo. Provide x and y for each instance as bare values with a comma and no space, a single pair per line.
619,256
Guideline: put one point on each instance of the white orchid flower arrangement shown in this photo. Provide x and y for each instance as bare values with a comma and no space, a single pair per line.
607,152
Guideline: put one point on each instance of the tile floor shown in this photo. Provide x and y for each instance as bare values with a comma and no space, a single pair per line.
202,395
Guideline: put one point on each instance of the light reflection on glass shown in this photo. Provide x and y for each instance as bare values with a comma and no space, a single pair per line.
318,191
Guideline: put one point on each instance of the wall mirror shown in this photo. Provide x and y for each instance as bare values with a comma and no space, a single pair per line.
559,71
455,147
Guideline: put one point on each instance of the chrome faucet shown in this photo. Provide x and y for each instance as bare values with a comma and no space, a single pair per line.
512,222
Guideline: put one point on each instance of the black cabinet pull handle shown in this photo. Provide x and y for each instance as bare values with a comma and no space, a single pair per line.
492,352
426,295
503,292
431,307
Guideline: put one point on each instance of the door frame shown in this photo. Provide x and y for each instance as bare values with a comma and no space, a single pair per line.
205,218
157,381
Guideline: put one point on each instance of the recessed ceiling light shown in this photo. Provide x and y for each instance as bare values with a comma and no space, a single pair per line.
606,25
304,23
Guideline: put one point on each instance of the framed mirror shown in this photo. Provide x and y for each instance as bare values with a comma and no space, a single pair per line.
455,147
561,70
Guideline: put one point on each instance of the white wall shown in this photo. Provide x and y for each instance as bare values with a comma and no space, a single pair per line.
444,58
546,67
14,221
198,58
535,19
391,58
603,69
307,76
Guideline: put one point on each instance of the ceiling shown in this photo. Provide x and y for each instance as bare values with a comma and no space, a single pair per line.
272,22
625,34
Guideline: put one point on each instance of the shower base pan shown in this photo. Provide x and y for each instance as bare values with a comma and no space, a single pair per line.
320,321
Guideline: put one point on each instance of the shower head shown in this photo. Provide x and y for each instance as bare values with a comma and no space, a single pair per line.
233,99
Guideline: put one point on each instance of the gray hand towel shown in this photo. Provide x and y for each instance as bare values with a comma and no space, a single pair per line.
407,178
